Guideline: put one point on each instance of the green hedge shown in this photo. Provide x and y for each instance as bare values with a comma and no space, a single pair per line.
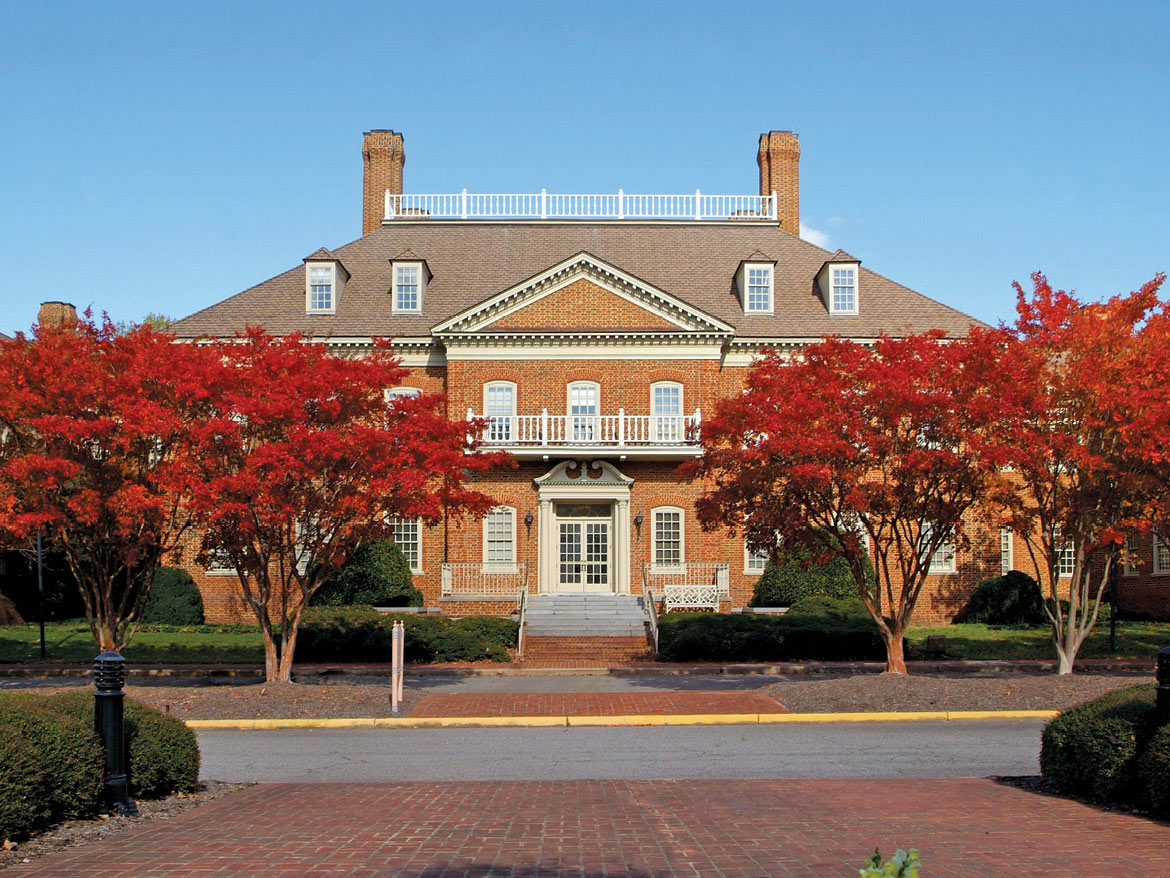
52,763
793,577
1011,599
814,629
360,634
1110,750
376,575
174,599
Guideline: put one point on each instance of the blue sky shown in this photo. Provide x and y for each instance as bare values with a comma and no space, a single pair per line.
158,157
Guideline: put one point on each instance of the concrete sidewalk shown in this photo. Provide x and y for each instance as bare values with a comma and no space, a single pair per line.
635,829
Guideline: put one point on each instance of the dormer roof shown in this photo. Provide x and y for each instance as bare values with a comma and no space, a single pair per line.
321,254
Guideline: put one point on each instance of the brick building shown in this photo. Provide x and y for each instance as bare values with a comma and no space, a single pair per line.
594,331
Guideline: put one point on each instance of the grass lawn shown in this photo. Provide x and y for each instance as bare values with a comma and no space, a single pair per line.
151,644
1134,640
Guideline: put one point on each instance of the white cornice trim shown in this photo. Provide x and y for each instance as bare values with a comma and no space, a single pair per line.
567,271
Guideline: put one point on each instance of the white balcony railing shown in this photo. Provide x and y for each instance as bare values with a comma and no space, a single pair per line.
692,585
617,431
547,205
480,580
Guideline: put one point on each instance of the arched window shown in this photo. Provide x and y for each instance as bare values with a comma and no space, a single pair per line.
583,405
666,412
401,393
667,537
499,407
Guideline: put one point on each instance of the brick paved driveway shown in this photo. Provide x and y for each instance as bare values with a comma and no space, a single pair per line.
643,828
592,703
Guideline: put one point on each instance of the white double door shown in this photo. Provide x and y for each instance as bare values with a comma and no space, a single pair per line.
584,547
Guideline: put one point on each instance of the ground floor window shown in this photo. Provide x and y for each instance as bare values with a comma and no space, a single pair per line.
667,537
499,537
407,535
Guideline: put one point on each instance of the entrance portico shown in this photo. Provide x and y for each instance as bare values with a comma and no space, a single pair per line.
584,529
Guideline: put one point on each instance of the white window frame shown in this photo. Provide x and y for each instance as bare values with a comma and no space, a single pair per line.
578,430
752,559
331,268
945,565
1007,551
420,287
1131,549
219,567
501,426
667,427
500,566
393,393
832,293
1158,568
1067,550
748,268
416,565
682,538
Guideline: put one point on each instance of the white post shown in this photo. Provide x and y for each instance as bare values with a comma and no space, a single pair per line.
463,203
698,205
621,204
397,639
544,426
543,203
621,428
774,210
386,211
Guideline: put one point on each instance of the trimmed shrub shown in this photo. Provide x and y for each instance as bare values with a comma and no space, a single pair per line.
816,628
1011,599
56,758
794,577
1092,750
24,777
1154,771
361,634
174,599
164,757
376,575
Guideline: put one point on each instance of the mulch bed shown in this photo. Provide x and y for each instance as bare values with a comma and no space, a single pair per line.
468,704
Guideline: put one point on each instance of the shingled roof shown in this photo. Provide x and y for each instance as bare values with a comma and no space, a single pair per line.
470,261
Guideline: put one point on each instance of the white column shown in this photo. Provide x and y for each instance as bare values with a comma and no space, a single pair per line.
546,548
621,547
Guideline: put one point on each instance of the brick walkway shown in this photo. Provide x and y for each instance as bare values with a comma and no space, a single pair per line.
593,703
642,829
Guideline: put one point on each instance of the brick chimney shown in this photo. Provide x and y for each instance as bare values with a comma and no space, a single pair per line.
779,160
57,314
383,156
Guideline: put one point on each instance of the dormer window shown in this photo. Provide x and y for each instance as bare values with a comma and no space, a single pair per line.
837,280
755,282
844,290
325,277
410,286
321,288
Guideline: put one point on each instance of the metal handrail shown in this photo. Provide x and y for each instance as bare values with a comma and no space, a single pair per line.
523,610
652,613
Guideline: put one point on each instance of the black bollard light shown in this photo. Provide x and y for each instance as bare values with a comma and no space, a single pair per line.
1162,705
109,675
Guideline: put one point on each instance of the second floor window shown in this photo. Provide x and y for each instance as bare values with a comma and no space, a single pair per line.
499,409
666,412
582,404
321,288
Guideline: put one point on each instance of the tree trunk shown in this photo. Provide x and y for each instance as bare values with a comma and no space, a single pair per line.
895,652
271,658
288,643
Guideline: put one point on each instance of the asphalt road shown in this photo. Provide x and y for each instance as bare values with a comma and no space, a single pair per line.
821,750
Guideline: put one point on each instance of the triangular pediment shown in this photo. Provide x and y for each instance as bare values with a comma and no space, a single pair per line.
581,294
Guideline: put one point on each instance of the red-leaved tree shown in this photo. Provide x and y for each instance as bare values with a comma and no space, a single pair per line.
1084,421
93,438
304,460
884,448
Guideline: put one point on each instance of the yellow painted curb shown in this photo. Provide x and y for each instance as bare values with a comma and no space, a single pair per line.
666,719
655,719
